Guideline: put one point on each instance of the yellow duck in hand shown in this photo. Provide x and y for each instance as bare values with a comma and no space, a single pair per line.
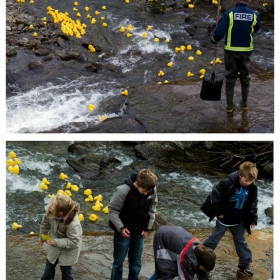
105,210
62,176
16,226
81,217
93,217
12,154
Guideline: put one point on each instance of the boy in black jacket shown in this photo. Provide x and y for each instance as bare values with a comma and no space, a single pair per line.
132,214
234,202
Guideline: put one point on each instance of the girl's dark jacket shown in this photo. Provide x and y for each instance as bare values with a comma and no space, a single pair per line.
132,210
174,254
217,200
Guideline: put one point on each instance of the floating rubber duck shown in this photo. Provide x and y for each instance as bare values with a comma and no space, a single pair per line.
89,198
159,83
31,232
44,19
177,49
96,208
218,60
166,82
202,71
16,226
122,29
191,6
188,1
93,21
87,192
189,47
190,58
98,198
190,74
103,117
144,34
105,210
156,40
86,9
103,8
97,13
265,4
81,217
68,185
31,2
10,162
91,107
104,24
128,35
68,193
170,64
43,186
76,3
198,52
31,26
51,195
149,27
93,217
129,27
45,181
60,192
74,188
201,76
126,1
102,18
78,14
214,2
88,16
125,92
17,161
12,154
75,9
10,168
211,62
35,34
14,169
93,50
167,40
63,176
160,73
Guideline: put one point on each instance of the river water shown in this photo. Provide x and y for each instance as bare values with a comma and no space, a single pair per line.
60,96
180,191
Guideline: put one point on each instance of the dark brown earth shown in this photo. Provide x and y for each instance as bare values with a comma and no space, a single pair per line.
25,259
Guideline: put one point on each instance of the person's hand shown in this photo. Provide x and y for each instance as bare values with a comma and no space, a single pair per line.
125,232
51,242
40,242
221,216
252,226
144,234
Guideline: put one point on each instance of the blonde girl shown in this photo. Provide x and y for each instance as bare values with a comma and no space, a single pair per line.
62,224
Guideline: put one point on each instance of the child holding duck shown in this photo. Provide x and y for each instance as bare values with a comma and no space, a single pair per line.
131,215
65,240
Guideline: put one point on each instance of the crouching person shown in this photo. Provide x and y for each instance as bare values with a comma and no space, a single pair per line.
179,253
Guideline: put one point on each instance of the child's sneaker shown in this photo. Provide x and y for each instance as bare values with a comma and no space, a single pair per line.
246,270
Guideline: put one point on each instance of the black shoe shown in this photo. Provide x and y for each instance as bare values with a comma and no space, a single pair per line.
246,270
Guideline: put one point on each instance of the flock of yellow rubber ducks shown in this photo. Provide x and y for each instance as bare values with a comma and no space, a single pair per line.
13,163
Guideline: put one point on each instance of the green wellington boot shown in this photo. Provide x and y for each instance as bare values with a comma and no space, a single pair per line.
244,92
230,104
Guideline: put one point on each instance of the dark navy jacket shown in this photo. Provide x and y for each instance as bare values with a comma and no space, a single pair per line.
217,201
238,24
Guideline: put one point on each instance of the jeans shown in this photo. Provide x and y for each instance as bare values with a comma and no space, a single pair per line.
238,233
50,271
134,246
153,277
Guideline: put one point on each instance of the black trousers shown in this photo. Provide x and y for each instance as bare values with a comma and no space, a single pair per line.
50,271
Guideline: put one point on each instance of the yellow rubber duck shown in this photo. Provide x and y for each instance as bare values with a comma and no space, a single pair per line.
35,34
75,9
191,6
189,47
167,40
214,2
87,192
17,161
104,24
51,195
190,74
128,35
160,73
156,40
16,226
89,198
201,76
93,21
74,188
218,60
16,169
125,92
68,193
76,3
130,27
81,217
122,29
31,26
149,27
202,71
45,181
159,83
103,117
12,154
31,2
144,34
93,217
96,207
265,4
88,16
31,232
97,13
170,64
103,8
190,58
60,192
188,1
10,168
102,18
198,52
86,9
182,48
93,50
177,49
91,107
63,176
10,162
98,197
166,82
105,210
78,14
43,186
126,1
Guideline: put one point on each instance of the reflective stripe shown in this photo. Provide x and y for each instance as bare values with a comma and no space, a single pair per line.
165,254
228,45
185,251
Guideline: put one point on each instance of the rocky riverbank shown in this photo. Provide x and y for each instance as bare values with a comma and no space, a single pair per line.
25,259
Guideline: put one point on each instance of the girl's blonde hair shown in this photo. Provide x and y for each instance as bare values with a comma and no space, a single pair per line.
66,205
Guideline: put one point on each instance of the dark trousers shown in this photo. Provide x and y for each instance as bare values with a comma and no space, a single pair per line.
50,271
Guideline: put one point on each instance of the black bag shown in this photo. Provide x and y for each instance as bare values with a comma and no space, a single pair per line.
212,87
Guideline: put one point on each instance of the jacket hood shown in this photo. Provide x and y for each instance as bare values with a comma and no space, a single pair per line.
130,180
233,176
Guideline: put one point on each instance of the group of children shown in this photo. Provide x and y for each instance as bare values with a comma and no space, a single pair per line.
233,201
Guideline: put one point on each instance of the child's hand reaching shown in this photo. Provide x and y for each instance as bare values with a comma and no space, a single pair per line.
51,242
41,242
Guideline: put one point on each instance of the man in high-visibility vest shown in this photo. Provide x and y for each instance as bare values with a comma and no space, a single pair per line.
238,24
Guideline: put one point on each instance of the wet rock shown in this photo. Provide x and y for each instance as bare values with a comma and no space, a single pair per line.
11,51
23,41
35,65
42,52
268,169
89,67
49,57
269,213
